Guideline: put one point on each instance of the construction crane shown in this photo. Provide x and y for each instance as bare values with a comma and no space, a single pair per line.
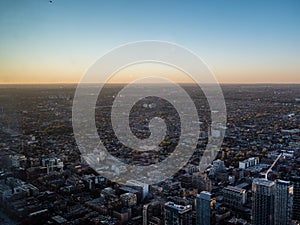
269,170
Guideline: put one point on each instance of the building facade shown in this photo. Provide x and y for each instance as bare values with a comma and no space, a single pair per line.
205,208
234,197
249,162
263,192
178,214
283,202
296,198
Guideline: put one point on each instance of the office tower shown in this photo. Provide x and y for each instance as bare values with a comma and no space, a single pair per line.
296,198
283,202
263,202
178,214
205,208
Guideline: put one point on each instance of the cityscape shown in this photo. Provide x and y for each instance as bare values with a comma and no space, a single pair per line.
255,178
149,112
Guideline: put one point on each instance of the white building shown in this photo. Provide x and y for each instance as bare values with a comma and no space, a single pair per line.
253,161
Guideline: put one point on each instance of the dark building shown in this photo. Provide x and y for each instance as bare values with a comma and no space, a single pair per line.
296,199
234,197
283,202
178,214
263,192
205,208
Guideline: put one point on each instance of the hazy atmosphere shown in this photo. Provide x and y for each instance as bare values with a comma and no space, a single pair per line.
56,41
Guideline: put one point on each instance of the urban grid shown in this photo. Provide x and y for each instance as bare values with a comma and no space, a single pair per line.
255,178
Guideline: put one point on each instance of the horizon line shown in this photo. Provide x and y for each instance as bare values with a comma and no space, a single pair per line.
117,83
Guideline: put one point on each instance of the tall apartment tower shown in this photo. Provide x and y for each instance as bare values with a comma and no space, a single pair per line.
178,214
283,202
263,192
205,208
296,198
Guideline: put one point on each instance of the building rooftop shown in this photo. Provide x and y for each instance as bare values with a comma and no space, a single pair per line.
235,189
179,208
263,181
282,181
205,195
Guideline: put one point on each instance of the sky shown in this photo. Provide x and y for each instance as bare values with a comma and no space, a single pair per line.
241,41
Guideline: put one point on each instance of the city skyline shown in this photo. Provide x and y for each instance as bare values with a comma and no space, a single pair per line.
56,42
149,112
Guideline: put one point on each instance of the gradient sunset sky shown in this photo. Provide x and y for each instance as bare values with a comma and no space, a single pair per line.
241,41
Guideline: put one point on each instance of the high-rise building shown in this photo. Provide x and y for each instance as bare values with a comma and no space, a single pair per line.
178,214
296,198
283,202
263,192
205,208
